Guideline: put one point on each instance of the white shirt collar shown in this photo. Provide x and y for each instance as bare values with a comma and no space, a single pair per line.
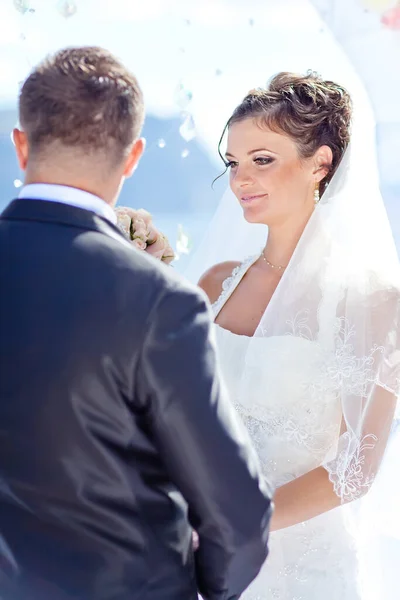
68,195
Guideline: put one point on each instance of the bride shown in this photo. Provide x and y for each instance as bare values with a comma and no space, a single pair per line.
307,328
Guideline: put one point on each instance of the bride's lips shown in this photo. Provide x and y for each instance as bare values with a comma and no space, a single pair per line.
251,198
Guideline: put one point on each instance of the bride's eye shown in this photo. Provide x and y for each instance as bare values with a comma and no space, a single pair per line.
263,160
230,164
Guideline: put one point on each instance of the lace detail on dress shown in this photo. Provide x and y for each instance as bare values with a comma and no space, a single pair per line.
231,282
347,471
298,424
345,372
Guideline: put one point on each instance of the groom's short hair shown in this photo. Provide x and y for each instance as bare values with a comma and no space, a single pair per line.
82,98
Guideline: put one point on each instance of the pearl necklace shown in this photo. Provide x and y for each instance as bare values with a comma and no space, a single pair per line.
278,267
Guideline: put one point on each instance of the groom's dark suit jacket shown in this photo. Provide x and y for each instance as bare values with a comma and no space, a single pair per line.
114,431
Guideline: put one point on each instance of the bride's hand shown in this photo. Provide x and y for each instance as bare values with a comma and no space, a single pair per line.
139,228
159,246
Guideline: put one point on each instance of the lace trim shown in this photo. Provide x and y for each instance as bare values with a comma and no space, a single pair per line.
231,283
346,472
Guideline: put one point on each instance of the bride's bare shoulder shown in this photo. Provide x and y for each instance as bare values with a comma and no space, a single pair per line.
211,281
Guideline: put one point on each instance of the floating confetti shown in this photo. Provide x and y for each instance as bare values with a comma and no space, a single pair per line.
183,243
218,72
18,183
67,8
251,22
183,96
185,153
161,143
23,6
188,128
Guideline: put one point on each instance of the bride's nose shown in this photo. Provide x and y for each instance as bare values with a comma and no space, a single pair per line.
242,177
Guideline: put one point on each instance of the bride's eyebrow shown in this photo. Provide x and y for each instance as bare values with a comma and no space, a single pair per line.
261,150
252,152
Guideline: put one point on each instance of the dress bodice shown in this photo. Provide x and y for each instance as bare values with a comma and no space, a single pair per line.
293,432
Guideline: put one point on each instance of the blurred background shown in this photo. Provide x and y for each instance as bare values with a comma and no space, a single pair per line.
195,60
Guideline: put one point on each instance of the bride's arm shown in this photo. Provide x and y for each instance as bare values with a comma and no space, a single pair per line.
303,498
319,491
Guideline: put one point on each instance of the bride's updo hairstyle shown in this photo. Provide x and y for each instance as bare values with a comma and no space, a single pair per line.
311,111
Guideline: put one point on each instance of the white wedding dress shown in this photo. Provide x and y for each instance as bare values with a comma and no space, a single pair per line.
315,560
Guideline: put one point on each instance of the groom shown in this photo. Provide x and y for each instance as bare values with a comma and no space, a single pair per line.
114,428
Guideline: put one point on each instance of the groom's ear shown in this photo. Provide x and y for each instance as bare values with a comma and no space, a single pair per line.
21,147
134,157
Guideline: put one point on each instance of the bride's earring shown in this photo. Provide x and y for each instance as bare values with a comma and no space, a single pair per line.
316,194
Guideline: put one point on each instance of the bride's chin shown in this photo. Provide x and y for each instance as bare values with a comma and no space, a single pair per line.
252,216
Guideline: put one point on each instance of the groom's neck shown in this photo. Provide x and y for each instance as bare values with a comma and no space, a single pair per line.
106,188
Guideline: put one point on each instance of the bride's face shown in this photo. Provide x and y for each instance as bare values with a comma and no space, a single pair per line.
268,177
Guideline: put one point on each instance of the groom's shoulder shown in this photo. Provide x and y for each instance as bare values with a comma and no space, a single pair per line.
212,280
166,291
138,270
